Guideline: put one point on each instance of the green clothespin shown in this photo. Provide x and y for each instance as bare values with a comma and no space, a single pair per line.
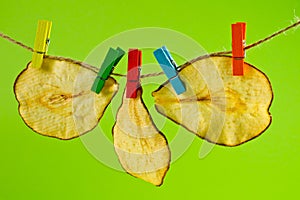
112,58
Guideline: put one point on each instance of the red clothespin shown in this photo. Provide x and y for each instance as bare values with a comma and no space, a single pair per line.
238,45
133,72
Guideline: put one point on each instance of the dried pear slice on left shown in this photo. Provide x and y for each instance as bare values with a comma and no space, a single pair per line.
55,100
142,150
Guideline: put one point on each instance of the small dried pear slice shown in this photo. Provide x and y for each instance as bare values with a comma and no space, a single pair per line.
142,150
244,101
55,100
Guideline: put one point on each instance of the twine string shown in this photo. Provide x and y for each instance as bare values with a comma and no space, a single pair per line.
95,69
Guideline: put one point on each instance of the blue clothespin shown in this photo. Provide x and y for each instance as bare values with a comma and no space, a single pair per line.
169,66
112,58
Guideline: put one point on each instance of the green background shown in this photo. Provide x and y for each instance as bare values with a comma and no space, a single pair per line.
36,167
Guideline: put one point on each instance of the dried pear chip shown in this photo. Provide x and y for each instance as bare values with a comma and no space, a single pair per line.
243,101
55,100
142,150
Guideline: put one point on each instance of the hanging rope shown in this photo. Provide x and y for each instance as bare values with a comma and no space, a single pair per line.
95,69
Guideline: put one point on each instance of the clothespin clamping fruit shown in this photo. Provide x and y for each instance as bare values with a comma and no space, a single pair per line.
169,67
41,43
111,59
238,45
133,72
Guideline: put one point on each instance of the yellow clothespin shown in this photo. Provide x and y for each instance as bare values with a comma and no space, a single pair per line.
41,42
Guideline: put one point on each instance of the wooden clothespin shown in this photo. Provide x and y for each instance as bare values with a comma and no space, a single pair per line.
111,59
41,43
169,67
238,45
133,72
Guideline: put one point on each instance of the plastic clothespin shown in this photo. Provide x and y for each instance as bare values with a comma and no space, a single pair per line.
238,45
133,72
41,43
111,59
169,67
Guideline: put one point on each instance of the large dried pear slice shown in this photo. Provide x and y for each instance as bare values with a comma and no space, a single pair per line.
243,101
142,150
55,100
